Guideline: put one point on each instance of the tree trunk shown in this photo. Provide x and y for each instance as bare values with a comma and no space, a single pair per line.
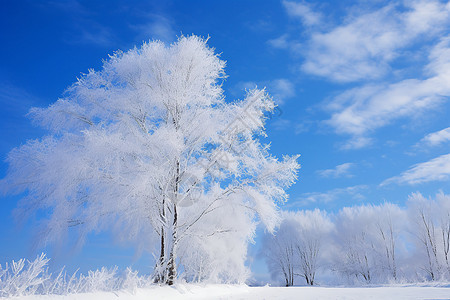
166,269
159,277
160,273
171,265
172,269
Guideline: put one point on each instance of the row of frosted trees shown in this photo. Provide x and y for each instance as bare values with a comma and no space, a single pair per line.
363,244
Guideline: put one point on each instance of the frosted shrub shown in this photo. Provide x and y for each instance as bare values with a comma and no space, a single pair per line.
132,280
23,277
100,280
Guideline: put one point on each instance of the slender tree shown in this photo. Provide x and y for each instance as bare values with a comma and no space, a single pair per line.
354,238
280,252
443,207
148,147
424,230
368,237
430,224
389,220
295,248
313,228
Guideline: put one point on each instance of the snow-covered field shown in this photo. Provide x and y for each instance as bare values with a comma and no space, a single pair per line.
258,293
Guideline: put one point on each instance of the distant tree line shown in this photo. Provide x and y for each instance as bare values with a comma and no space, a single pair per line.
363,244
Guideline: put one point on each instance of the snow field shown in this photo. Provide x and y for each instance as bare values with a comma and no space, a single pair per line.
235,292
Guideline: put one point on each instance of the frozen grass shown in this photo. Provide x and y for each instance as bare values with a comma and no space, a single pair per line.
29,280
23,277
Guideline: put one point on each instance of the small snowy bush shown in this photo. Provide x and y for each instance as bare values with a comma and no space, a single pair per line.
23,277
26,277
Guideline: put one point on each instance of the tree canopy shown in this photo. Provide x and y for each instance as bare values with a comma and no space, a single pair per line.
149,148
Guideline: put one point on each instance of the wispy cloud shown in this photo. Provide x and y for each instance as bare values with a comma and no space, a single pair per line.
15,100
281,89
437,169
360,111
304,12
157,27
281,42
363,47
15,103
92,34
285,124
281,124
352,192
303,126
260,26
84,29
339,171
68,6
436,138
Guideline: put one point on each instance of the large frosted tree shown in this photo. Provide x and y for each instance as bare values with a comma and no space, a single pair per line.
148,148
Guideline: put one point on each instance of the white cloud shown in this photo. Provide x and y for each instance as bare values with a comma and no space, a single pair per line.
281,42
342,170
363,46
436,138
281,89
304,12
158,27
84,29
360,111
356,142
281,124
366,46
302,127
94,34
284,124
353,192
437,169
15,100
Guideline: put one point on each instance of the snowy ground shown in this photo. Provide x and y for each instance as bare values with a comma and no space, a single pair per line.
260,293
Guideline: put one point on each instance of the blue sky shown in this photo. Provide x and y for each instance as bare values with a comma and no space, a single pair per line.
362,88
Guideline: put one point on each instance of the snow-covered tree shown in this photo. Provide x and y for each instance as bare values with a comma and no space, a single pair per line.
352,229
295,248
148,147
443,205
388,225
430,224
313,228
367,239
279,250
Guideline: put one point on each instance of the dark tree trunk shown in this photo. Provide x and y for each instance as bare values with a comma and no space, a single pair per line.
171,265
172,269
160,276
